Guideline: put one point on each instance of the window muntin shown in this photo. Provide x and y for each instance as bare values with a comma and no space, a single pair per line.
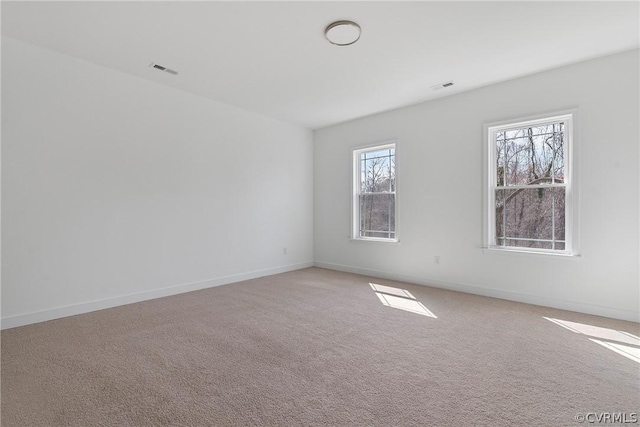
374,204
529,185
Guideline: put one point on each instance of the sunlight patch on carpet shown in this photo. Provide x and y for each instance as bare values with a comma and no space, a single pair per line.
627,351
391,291
621,342
597,331
400,299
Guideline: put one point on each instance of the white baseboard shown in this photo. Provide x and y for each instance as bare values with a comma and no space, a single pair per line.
579,307
86,307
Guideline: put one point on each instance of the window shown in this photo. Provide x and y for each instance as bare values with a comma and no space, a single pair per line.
530,193
374,193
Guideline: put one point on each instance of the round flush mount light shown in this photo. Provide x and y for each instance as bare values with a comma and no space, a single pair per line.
342,33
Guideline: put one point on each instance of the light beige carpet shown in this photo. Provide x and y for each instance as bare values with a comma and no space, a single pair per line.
317,348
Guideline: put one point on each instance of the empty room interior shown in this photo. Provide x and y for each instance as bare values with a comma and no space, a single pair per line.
320,213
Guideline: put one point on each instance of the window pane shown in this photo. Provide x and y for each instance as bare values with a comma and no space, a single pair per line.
530,154
530,218
378,152
500,153
380,234
500,195
377,169
559,217
528,213
528,244
377,215
558,161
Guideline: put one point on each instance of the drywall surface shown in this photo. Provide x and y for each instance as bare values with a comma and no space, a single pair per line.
117,189
440,191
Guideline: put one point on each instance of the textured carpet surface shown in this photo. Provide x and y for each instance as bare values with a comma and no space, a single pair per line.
316,347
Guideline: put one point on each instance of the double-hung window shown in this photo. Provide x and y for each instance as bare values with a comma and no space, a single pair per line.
530,199
374,193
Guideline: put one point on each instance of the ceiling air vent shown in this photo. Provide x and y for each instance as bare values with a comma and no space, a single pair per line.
441,86
161,68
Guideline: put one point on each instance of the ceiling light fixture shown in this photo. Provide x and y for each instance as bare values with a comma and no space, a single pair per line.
343,33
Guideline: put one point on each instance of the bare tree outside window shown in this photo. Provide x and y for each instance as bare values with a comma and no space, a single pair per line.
376,192
530,189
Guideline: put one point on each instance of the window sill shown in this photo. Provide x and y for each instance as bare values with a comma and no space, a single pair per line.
504,251
392,241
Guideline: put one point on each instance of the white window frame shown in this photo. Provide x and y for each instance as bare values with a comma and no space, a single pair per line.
570,181
355,192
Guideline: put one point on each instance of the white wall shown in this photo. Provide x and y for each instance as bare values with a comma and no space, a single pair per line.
117,189
440,191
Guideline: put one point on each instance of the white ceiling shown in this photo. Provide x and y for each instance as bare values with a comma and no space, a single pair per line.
272,57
